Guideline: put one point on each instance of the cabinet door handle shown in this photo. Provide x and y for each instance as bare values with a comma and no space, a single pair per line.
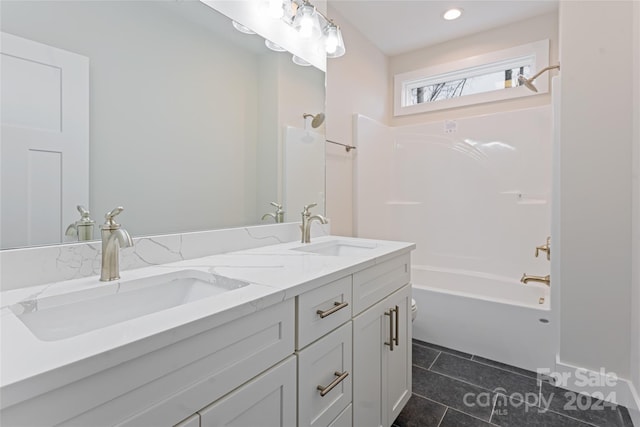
336,306
397,334
392,340
340,377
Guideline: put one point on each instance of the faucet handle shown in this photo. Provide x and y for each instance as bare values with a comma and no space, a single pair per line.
309,206
109,221
545,248
276,205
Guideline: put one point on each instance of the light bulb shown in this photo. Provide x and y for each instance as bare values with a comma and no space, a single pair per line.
306,22
331,42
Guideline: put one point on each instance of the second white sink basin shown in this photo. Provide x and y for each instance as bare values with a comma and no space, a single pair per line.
68,315
337,248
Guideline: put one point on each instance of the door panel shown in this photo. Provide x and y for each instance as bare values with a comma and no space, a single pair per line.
45,141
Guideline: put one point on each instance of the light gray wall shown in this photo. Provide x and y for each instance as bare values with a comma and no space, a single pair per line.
595,212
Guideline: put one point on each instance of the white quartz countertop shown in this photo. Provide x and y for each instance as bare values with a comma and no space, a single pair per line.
275,273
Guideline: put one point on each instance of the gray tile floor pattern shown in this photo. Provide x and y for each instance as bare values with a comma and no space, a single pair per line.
455,389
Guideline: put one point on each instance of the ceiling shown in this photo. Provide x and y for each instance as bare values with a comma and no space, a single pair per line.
398,26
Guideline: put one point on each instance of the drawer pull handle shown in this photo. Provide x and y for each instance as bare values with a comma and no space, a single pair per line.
336,306
392,340
397,326
340,377
394,331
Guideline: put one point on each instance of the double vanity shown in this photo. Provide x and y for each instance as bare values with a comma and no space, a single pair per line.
286,334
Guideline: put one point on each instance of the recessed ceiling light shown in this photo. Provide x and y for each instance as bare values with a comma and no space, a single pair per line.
452,14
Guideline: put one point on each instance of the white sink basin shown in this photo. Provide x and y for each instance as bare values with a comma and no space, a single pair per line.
63,316
336,248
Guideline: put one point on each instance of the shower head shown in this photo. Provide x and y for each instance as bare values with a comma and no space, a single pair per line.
318,119
522,80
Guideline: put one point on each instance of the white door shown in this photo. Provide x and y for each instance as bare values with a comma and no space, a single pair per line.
399,360
45,141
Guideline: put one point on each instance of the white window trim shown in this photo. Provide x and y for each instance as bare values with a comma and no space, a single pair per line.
538,50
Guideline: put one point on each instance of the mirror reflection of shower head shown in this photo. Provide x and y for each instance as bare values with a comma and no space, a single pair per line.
522,80
318,119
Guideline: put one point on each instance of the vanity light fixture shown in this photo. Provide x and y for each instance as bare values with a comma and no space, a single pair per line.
452,14
333,41
311,24
306,22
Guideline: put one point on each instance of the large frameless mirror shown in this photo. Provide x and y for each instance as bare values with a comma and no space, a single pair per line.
171,113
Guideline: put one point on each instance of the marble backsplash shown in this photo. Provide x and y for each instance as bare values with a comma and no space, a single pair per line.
25,267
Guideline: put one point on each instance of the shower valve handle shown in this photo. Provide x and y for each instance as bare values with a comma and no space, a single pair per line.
545,248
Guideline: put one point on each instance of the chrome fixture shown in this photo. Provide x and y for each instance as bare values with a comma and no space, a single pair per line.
278,216
347,148
526,279
522,80
307,219
316,121
113,238
309,22
82,229
545,248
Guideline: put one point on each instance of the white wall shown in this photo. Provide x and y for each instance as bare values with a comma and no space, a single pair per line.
595,211
527,31
356,83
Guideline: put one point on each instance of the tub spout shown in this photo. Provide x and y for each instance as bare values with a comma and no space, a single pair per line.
542,279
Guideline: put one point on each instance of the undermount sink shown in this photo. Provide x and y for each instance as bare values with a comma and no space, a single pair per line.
63,316
336,248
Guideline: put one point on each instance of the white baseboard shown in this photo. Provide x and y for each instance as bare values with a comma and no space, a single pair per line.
600,385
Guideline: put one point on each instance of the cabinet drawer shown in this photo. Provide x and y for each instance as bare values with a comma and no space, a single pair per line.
267,401
322,310
175,382
375,283
320,365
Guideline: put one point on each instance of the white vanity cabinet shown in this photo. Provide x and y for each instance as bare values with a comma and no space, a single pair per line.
266,401
382,346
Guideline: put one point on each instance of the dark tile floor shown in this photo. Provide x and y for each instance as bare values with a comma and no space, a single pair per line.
455,389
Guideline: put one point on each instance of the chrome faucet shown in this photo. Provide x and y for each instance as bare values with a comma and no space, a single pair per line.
542,279
113,238
278,216
82,229
307,219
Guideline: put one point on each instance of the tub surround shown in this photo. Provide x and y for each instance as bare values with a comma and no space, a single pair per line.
275,273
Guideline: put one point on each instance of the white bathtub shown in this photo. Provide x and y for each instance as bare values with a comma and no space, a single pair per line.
489,316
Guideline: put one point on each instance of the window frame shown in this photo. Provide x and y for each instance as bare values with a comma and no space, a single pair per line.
470,67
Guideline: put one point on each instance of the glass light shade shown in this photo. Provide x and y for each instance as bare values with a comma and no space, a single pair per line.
333,41
299,61
271,45
242,28
306,22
